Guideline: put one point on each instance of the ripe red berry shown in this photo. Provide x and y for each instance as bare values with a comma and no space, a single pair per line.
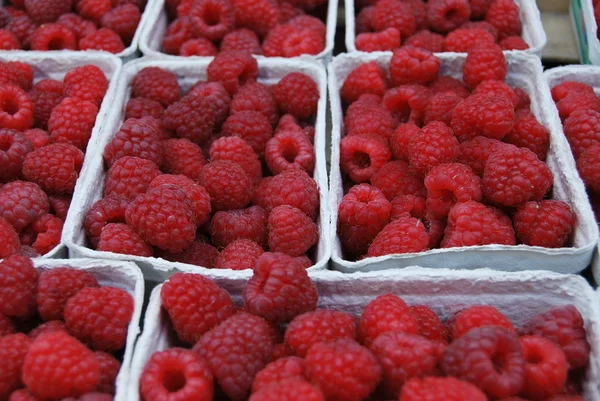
483,115
198,253
548,223
9,240
430,325
484,61
582,129
410,65
228,226
233,70
243,40
22,203
55,168
440,389
477,316
13,349
393,14
181,156
386,313
433,145
386,40
446,15
53,36
257,15
109,369
427,40
463,39
297,94
403,235
287,368
18,285
239,255
72,121
157,84
529,133
449,184
123,20
16,111
504,15
366,78
14,147
110,209
192,118
545,368
121,238
361,156
289,390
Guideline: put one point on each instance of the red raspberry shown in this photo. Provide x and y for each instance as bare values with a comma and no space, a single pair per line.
110,209
289,390
582,129
55,168
401,138
236,150
441,107
386,313
22,203
255,96
430,325
338,380
433,145
407,102
53,36
79,26
361,156
290,150
176,372
411,204
38,137
212,19
182,156
47,327
273,44
9,240
403,235
291,231
582,101
257,15
235,351
47,231
198,253
483,115
134,138
411,65
477,316
366,118
308,5
129,177
463,39
123,20
388,39
239,255
228,226
8,41
120,238
489,357
228,185
294,188
545,368
14,148
475,152
164,217
446,15
48,376
109,369
301,41
397,178
100,316
308,22
449,184
18,73
197,194
440,389
157,84
87,83
218,96
16,111
515,175
23,28
251,126
548,223
280,370
513,43
497,88
198,47
44,101
393,14
426,40
366,78
142,107
363,20
566,88
13,348
192,118
280,288
297,94
504,15
588,166
59,206
403,356
472,223
243,40
195,305
178,32
481,24
233,70
449,84
479,8
72,121
484,61
93,9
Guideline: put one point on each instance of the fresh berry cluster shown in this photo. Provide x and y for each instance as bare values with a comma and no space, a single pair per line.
60,332
438,25
107,25
214,177
278,346
579,109
442,163
44,131
273,28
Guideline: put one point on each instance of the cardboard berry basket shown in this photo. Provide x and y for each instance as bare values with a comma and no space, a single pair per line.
157,23
56,65
586,28
188,73
525,72
533,31
518,295
123,275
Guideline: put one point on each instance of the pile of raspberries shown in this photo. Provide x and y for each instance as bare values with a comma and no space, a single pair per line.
61,333
442,163
107,25
437,25
579,109
213,177
44,131
273,28
278,346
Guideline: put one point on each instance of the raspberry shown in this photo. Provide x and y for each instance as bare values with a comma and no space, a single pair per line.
218,96
361,156
273,44
197,194
504,16
252,126
449,184
255,96
38,137
134,138
195,305
294,188
479,8
588,166
142,107
212,19
484,61
235,351
123,20
87,83
291,231
440,389
22,27
58,366
176,372
566,88
497,88
483,115
228,226
22,203
47,231
55,168
363,20
308,5
275,372
410,65
397,178
411,204
100,316
366,118
243,40
386,313
297,94
9,240
238,151
120,238
515,175
426,40
47,327
259,16
228,185
475,317
582,101
430,325
43,104
157,84
401,138
110,209
475,152
14,148
18,73
463,39
13,348
16,111
72,121
22,395
472,223
481,25
407,102
308,22
8,41
53,36
582,129
79,26
182,156
545,368
403,356
198,47
129,177
489,357
198,253
366,78
290,150
449,84
403,235
433,145
233,70
325,367
59,206
178,32
548,223
192,118
446,15
163,217
289,390
301,41
109,369
388,39
513,43
276,274
393,14
93,9
239,255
